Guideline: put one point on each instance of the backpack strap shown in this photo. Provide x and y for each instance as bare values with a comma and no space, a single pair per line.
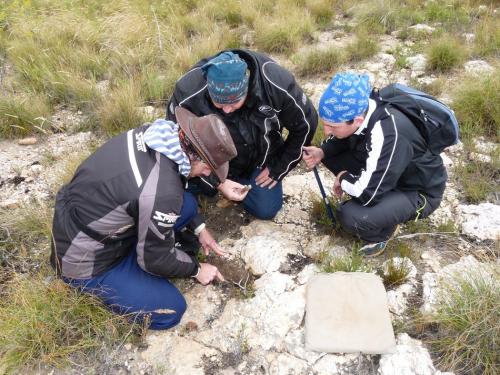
379,113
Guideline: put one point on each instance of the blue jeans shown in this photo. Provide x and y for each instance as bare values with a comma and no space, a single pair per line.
263,203
128,289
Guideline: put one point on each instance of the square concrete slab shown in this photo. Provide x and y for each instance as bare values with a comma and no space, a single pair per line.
346,312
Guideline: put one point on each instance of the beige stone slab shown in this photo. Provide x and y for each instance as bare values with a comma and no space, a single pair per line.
346,312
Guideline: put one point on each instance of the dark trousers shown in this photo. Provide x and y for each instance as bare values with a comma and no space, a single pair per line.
377,222
128,289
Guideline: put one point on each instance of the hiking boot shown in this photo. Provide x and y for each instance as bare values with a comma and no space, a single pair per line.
373,249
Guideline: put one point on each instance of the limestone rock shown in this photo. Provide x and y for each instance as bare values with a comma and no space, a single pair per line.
417,64
435,283
410,358
286,364
267,253
478,67
203,303
481,221
422,28
27,141
397,298
176,354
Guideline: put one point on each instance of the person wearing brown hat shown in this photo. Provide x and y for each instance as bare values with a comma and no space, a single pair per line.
259,102
124,224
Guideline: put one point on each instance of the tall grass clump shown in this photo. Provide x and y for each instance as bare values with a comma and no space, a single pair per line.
22,115
478,179
322,11
487,38
283,33
475,102
362,48
46,322
317,61
448,13
467,320
445,54
353,262
120,110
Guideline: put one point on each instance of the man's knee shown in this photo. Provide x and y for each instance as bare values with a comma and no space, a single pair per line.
164,318
265,211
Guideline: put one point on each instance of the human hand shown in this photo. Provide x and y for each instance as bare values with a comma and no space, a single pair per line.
263,179
337,189
312,156
208,273
208,243
233,190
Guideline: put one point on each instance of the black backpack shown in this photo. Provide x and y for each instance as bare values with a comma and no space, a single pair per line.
435,121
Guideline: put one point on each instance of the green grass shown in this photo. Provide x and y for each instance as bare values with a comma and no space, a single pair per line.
395,273
119,111
444,54
478,179
20,116
322,11
45,322
319,212
467,316
475,102
318,61
362,48
487,38
352,262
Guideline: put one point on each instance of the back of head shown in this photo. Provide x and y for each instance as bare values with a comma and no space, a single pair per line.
345,97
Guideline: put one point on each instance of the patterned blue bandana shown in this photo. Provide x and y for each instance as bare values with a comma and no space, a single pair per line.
345,97
227,78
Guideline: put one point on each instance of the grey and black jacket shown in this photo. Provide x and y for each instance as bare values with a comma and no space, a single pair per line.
274,102
394,155
124,196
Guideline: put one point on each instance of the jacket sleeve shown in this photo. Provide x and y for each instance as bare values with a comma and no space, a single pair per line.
388,157
158,212
295,113
334,146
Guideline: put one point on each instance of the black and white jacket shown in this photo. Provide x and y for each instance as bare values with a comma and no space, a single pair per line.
274,102
394,155
125,195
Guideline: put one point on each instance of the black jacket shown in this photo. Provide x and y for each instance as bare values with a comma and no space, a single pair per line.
125,195
274,102
393,154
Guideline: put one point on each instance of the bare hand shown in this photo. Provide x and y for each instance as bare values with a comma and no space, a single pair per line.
208,243
337,189
233,190
263,179
208,273
312,156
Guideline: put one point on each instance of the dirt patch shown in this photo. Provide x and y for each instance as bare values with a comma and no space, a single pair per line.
239,281
224,222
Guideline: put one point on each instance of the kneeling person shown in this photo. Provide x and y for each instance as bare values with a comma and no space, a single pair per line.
379,158
124,223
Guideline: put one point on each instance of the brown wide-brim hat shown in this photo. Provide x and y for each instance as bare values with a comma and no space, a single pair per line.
210,138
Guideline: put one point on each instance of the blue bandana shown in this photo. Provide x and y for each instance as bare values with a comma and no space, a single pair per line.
345,97
227,78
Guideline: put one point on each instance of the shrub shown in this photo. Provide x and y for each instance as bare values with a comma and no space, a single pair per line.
475,102
444,54
44,322
319,212
467,316
318,61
